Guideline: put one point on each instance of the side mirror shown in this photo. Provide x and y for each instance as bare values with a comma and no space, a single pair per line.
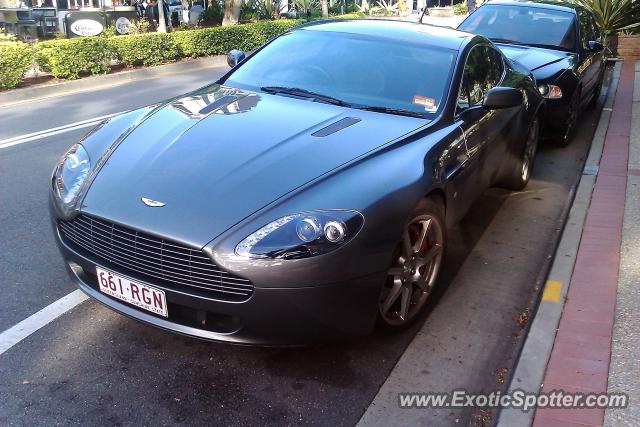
595,46
234,57
502,97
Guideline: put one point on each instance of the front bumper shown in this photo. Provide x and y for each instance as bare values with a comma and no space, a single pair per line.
271,316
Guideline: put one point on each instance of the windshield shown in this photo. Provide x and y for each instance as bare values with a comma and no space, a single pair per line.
361,71
526,25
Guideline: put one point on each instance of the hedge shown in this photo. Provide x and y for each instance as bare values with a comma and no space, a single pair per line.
144,49
73,58
69,58
220,40
15,60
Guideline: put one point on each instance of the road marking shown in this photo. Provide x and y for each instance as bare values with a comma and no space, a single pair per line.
552,291
54,131
31,324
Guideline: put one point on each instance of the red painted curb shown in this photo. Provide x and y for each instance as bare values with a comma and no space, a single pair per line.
581,352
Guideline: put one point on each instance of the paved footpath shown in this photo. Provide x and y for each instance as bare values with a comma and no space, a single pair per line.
582,351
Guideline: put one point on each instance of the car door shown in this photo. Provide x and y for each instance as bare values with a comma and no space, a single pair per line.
589,61
483,128
462,167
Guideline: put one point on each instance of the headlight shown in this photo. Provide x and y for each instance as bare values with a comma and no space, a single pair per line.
550,91
70,173
302,235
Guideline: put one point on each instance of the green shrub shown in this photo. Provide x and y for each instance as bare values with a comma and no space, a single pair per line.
69,58
460,9
213,14
145,49
15,60
220,40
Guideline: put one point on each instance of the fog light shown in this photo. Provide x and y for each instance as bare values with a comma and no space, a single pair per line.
308,229
334,231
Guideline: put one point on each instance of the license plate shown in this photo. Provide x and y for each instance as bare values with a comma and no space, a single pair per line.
143,296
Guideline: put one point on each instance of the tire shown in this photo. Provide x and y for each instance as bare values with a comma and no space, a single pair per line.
566,135
415,266
520,174
596,92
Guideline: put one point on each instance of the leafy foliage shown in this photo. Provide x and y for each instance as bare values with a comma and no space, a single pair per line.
15,61
460,9
269,9
306,7
613,16
70,58
144,49
213,14
385,8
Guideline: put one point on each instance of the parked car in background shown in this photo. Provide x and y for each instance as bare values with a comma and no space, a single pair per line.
559,42
307,193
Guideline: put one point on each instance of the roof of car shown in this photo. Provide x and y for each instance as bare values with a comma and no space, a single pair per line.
543,4
406,31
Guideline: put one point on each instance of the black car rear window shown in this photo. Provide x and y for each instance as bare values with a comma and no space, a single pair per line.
357,69
526,25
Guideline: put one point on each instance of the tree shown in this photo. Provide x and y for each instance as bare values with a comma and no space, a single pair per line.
325,8
231,12
162,26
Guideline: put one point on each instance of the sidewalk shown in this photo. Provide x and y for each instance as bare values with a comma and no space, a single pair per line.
584,337
624,370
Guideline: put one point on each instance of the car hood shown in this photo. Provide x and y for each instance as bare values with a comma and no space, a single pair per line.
532,57
216,156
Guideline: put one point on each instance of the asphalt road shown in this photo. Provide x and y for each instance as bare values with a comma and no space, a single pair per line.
95,367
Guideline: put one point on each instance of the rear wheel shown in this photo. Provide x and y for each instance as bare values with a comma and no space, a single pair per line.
416,264
521,172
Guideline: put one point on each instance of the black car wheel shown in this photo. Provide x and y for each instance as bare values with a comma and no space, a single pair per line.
572,118
417,262
521,173
596,91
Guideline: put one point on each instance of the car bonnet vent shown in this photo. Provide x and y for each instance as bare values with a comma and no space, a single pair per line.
336,126
218,103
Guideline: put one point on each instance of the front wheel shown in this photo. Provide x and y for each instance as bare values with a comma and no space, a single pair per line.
417,261
521,172
566,135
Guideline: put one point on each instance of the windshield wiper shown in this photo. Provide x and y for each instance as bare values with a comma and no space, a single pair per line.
304,93
389,110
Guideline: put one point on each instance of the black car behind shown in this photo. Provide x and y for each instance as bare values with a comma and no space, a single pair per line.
559,43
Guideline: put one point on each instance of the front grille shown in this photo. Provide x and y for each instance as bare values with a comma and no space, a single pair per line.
153,258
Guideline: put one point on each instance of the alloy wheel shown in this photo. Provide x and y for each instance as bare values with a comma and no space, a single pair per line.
414,270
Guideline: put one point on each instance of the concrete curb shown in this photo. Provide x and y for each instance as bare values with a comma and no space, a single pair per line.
531,366
88,83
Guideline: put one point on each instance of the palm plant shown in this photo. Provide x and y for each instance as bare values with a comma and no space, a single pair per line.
613,16
305,7
269,9
385,8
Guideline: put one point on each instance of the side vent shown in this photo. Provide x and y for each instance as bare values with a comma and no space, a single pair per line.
335,127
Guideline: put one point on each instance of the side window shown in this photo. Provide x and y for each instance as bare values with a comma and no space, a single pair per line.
496,68
482,71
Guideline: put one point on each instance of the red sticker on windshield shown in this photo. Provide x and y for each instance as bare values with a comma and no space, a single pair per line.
429,104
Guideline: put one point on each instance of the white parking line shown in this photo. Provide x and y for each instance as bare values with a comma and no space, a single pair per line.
31,324
54,131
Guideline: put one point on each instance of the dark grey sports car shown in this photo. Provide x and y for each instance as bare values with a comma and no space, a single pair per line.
307,193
